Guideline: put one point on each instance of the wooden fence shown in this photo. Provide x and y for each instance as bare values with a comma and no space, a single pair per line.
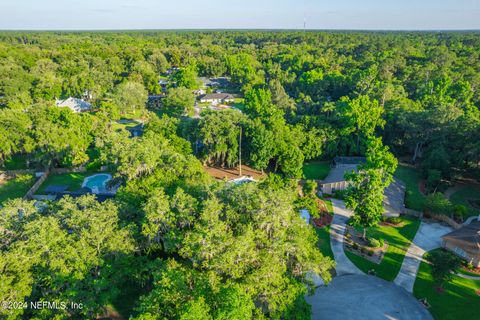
36,185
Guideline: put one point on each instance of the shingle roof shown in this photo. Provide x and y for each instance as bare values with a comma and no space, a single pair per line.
468,235
212,96
337,174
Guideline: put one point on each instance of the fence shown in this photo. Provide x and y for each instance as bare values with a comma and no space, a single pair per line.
446,219
36,185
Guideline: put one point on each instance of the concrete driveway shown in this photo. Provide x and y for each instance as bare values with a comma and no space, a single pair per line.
337,230
363,297
427,238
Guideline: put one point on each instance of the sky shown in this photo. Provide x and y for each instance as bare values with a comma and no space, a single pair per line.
239,14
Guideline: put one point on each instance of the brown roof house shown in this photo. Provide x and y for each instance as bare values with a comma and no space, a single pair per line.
465,242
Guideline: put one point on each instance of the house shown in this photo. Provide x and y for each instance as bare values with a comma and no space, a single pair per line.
155,101
465,242
75,104
336,177
216,98
199,92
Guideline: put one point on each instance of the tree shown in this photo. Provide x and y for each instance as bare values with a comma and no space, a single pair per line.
366,187
443,265
130,96
186,77
179,101
218,133
359,117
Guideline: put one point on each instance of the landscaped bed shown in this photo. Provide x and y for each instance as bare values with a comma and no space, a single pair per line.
12,187
457,300
414,199
398,238
322,227
316,170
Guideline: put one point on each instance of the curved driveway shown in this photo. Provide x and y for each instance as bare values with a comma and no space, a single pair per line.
337,230
428,237
365,298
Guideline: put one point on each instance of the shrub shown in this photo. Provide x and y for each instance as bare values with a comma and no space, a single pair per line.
394,220
370,253
339,194
309,187
436,203
374,243
443,264
355,246
382,242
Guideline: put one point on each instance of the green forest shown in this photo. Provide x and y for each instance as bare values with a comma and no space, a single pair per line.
175,243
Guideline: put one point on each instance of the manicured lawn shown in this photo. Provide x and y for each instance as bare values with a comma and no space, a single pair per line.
324,234
324,241
398,238
15,162
463,195
316,170
458,301
16,188
414,199
72,180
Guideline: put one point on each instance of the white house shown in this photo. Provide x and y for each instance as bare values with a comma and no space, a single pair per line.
217,98
75,104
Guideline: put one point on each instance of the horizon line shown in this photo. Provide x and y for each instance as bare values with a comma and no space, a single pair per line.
244,29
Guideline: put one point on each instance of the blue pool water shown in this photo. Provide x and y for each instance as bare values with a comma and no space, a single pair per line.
97,183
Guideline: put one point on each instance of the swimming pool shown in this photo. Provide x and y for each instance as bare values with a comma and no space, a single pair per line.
97,183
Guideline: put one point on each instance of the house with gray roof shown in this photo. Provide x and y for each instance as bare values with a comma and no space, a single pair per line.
216,98
465,242
75,104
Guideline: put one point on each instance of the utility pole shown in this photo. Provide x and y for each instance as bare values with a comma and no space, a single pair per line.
240,151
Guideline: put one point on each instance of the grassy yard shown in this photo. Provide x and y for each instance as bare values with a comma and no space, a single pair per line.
414,199
324,235
463,195
324,241
15,162
316,170
72,180
458,301
16,188
398,238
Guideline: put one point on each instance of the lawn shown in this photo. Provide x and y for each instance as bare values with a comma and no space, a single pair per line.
398,238
463,195
458,301
414,199
16,188
324,235
72,180
316,170
324,241
15,162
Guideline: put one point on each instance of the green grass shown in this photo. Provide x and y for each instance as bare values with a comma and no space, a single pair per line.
316,170
324,241
463,195
72,180
15,162
414,199
16,188
458,301
398,238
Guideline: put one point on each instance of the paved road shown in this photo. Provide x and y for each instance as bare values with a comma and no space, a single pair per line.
337,230
364,298
427,238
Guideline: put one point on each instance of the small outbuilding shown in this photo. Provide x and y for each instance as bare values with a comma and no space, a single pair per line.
465,242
